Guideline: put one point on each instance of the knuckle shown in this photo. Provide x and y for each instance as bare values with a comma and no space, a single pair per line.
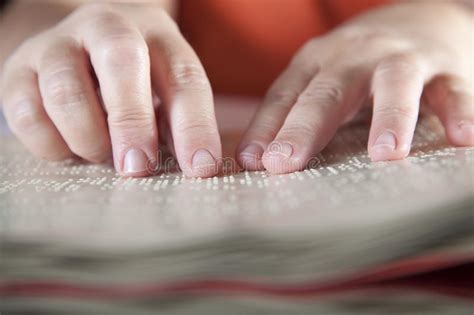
408,63
122,51
130,118
304,129
58,75
324,93
23,116
394,112
188,76
197,128
282,97
262,129
63,88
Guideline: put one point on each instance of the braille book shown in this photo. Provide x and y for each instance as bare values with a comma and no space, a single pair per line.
78,237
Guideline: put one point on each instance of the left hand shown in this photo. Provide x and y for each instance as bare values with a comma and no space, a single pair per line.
397,57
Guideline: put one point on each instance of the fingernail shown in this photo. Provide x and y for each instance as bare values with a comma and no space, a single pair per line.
135,161
251,156
203,159
386,141
280,148
466,126
253,151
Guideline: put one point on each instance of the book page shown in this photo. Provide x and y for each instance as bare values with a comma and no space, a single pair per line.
341,213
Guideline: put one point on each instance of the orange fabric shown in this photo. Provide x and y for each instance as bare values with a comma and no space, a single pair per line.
245,44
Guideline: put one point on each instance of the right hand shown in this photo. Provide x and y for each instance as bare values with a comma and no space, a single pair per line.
128,53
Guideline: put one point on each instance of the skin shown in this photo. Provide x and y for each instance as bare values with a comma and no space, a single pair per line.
392,59
130,51
89,89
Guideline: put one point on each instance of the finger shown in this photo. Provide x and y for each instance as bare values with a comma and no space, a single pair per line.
280,98
27,118
71,101
165,134
309,126
397,85
119,56
181,82
453,102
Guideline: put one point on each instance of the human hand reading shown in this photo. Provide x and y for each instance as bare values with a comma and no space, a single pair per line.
393,59
85,88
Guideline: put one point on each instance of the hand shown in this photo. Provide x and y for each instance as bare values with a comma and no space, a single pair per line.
392,58
85,87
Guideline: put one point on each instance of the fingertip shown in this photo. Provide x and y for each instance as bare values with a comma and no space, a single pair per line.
461,134
279,158
199,152
387,148
250,157
136,163
382,153
203,164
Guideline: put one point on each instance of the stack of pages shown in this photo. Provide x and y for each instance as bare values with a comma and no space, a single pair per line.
76,238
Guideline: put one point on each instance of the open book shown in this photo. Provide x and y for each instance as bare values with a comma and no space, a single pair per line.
76,236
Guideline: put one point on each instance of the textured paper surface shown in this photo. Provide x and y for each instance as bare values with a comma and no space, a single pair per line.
344,202
82,223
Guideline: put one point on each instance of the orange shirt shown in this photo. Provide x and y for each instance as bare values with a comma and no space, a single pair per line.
245,44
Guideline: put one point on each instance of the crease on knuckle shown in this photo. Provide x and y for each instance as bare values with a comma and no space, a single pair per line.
301,130
406,63
187,76
264,128
325,93
64,89
130,118
392,112
23,116
197,128
281,97
124,52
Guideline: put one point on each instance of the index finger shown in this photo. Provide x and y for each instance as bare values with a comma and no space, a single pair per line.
182,84
119,56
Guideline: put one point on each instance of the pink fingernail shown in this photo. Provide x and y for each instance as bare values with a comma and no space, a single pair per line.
253,151
386,141
384,147
466,126
203,161
135,161
280,148
251,156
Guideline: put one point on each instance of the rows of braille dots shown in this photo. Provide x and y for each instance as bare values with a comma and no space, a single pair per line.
29,174
103,178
